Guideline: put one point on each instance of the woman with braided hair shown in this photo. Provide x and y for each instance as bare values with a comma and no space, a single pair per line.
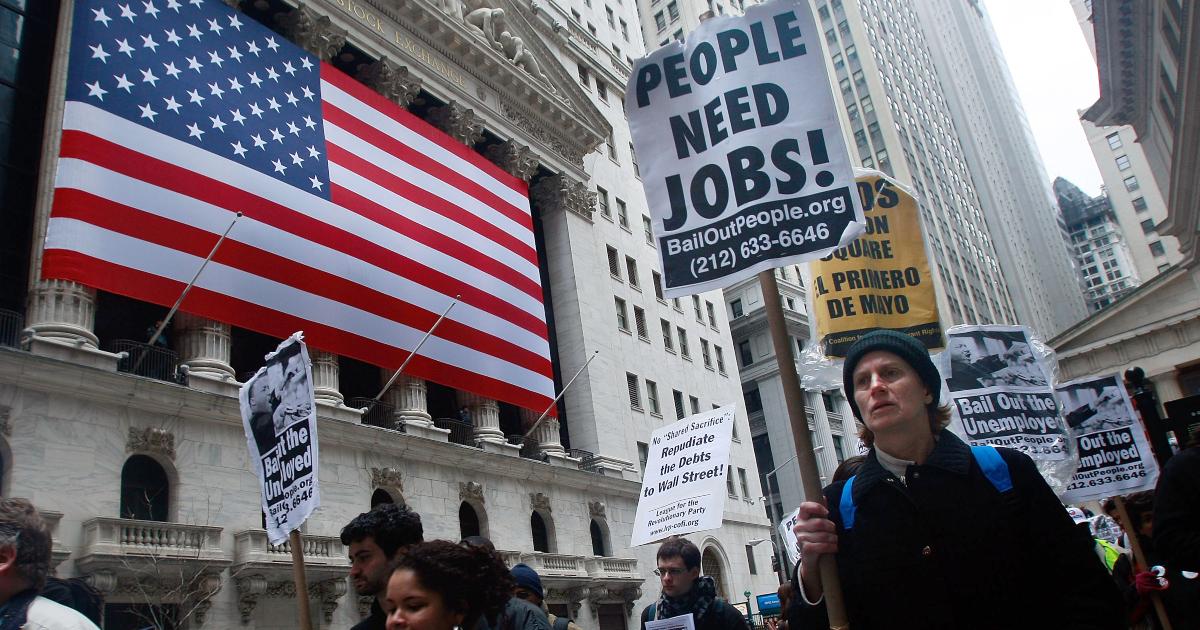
438,585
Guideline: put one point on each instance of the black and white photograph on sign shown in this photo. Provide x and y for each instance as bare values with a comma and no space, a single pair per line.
991,358
1114,455
278,415
740,149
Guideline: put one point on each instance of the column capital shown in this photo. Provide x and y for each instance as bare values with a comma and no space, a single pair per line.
515,158
325,377
458,121
392,80
560,192
313,32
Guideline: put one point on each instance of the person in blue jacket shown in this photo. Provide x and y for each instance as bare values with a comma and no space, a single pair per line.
931,533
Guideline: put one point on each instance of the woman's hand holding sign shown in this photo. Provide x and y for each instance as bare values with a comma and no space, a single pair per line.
816,536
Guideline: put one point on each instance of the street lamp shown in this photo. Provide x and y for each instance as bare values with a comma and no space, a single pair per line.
774,550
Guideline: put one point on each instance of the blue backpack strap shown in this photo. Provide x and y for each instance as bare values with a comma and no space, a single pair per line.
994,467
846,505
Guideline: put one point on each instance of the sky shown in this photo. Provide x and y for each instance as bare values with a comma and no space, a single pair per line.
1055,76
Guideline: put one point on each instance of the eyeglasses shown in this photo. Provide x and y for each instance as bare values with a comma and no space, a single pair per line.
674,571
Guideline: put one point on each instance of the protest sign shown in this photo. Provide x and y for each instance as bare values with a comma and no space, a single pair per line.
683,490
682,622
1114,456
740,149
280,420
1000,391
789,538
881,279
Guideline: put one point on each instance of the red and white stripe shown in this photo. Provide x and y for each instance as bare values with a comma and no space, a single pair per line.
415,219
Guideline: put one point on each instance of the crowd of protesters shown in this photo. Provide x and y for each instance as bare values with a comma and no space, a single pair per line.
923,531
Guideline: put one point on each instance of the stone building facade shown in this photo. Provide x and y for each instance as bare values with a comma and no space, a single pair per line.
143,465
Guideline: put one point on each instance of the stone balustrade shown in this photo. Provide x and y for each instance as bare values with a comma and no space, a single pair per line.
557,565
613,568
252,547
123,537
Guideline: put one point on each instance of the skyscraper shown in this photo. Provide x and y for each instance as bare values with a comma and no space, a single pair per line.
1101,254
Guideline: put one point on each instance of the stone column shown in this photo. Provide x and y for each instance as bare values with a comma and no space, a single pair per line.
325,377
559,192
407,396
516,159
546,434
826,459
485,416
313,32
203,346
458,122
64,311
393,81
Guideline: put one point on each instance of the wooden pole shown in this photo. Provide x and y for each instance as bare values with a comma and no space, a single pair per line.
806,458
301,582
1139,559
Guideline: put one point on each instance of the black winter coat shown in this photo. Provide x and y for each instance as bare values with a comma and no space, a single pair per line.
948,551
720,616
1177,533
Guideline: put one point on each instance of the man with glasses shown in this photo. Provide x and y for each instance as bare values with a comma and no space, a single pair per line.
686,592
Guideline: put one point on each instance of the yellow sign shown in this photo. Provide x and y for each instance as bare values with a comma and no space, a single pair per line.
882,279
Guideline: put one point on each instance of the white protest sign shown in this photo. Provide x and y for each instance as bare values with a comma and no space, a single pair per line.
682,622
279,416
684,487
790,547
1114,455
740,149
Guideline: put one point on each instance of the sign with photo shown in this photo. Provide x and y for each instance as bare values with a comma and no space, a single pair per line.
1000,391
740,149
881,279
280,420
683,490
1114,454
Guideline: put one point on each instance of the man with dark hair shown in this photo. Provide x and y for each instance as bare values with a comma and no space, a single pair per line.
375,539
24,563
685,591
934,534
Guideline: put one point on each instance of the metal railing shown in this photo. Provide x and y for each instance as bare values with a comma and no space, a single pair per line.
460,432
529,446
11,324
377,413
587,459
158,363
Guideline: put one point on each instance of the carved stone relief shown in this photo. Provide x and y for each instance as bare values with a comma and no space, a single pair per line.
459,122
313,32
539,501
559,192
387,478
151,440
514,158
470,491
596,509
391,80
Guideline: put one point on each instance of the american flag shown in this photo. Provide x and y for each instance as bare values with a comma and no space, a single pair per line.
361,220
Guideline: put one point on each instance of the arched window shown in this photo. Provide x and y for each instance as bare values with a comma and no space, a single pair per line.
468,521
145,489
381,496
541,535
598,548
710,565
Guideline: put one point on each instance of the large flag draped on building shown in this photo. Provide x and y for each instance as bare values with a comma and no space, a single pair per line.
361,221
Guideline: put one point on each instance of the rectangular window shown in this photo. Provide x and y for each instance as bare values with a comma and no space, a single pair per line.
652,397
673,10
729,482
583,71
614,262
643,455
712,313
612,149
735,306
695,404
602,201
1157,248
658,290
668,340
750,549
622,314
1131,183
744,483
635,395
639,321
745,353
1139,204
678,400
1114,140
678,306
705,353
602,90
1123,163
624,30
612,19
660,21
631,268
720,359
839,448
753,400
683,343
1148,226
696,308
622,214
648,228
827,401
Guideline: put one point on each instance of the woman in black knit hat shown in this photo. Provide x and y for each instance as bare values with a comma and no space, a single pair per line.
932,533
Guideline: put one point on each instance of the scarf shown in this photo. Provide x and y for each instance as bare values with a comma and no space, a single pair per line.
697,601
13,612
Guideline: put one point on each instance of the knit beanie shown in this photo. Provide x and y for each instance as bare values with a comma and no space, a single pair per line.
904,346
527,578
